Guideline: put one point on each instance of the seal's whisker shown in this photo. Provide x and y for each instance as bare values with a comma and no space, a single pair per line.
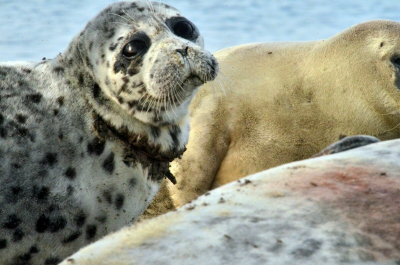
173,101
226,44
146,102
151,7
152,11
225,79
158,106
222,86
120,23
150,103
132,19
124,18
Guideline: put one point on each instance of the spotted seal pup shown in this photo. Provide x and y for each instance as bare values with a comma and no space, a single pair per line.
86,138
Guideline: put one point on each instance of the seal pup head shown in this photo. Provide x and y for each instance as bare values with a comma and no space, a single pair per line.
142,61
365,63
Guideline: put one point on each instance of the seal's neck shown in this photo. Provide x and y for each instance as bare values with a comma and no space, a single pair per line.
78,74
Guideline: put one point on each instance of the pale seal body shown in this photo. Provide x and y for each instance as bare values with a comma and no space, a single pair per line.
288,101
86,138
334,209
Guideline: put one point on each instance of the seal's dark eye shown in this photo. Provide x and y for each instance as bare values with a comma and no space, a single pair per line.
134,48
183,29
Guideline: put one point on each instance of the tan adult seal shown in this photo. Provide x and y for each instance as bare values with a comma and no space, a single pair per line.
288,101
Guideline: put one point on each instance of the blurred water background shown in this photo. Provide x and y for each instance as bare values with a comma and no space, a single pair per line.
33,29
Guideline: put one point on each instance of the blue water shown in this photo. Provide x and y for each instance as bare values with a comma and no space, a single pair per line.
33,29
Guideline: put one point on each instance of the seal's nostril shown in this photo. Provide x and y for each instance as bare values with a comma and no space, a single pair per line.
184,51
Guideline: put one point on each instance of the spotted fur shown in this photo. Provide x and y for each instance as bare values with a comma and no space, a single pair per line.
86,138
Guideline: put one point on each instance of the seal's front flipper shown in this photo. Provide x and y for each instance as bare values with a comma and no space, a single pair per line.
348,143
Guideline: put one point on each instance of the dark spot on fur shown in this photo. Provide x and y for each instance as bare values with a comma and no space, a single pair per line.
125,79
21,118
21,131
15,194
3,243
110,33
141,9
80,219
101,219
35,98
16,165
132,182
42,224
132,103
96,91
49,159
155,131
59,70
34,250
133,71
91,232
96,146
113,46
28,71
22,259
72,237
55,112
70,173
119,201
1,119
3,132
80,79
60,136
109,163
175,131
18,235
70,190
12,222
58,224
52,261
107,196
43,194
90,45
120,100
60,101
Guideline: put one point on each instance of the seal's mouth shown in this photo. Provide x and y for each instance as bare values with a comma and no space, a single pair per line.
194,80
137,149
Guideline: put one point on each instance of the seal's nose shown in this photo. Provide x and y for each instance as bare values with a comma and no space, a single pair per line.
184,51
